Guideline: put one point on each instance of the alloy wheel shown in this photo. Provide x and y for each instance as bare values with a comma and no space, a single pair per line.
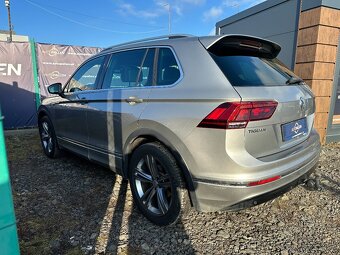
46,137
153,185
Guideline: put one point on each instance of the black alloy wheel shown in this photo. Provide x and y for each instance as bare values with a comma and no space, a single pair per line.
48,137
157,185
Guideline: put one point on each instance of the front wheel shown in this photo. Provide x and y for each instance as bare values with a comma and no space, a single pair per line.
48,137
157,184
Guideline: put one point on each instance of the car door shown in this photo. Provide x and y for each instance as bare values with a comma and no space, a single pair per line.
114,110
70,112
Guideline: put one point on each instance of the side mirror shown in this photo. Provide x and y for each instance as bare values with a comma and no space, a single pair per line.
55,89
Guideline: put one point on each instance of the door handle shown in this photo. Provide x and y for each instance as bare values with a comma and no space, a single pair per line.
134,100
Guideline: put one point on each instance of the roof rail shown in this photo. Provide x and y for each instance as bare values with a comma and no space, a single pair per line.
150,39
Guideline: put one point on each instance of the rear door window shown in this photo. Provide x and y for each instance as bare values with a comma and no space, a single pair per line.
133,68
253,71
147,69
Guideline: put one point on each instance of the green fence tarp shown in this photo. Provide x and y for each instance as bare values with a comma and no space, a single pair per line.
8,232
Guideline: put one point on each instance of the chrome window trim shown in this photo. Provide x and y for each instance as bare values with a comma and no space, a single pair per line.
155,86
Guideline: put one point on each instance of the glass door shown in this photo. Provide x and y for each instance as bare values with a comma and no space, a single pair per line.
333,133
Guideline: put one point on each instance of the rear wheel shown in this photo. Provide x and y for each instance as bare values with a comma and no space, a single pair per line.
157,185
48,137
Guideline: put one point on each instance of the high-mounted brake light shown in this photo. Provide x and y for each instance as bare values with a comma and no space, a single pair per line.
235,115
250,44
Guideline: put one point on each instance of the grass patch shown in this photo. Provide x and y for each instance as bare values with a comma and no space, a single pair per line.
21,148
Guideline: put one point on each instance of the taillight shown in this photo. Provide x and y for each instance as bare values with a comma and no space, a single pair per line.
235,115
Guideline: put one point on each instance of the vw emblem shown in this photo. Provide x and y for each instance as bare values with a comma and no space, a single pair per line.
296,127
302,104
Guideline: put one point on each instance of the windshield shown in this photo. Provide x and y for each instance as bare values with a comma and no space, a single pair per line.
253,71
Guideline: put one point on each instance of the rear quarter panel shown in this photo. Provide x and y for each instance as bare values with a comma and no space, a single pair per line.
175,111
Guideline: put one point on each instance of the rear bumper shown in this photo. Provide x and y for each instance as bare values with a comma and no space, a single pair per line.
272,194
217,196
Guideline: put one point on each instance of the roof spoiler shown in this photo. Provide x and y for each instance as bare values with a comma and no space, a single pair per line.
242,45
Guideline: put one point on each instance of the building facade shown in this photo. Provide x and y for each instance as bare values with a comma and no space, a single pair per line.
4,37
309,33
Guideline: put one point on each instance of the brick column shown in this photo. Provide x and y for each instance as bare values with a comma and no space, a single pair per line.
317,47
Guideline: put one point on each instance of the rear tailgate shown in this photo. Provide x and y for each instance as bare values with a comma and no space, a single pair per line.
290,124
251,67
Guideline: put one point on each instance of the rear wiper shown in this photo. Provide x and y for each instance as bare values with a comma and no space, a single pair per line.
294,80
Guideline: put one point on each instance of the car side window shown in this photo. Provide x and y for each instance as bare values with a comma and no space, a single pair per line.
131,68
167,69
147,68
86,77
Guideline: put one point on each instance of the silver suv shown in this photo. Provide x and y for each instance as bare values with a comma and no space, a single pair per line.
217,122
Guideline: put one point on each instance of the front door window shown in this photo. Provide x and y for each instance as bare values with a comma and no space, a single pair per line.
86,78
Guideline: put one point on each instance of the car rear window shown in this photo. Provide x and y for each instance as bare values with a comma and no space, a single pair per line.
253,71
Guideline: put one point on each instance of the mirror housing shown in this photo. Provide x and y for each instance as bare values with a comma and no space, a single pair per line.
55,88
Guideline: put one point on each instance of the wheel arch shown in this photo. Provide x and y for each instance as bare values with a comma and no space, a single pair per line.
42,111
145,135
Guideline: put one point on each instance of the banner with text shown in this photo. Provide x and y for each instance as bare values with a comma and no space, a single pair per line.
56,63
17,96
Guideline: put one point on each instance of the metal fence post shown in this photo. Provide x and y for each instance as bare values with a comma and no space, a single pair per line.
35,73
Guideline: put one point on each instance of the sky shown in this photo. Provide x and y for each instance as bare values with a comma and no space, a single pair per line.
102,23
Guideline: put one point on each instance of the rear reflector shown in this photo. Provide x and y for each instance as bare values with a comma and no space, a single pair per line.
264,181
237,114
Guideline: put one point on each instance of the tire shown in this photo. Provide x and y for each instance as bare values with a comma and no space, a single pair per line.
157,185
48,138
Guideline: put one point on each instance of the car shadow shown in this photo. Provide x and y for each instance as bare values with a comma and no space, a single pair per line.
113,219
153,239
71,206
132,233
